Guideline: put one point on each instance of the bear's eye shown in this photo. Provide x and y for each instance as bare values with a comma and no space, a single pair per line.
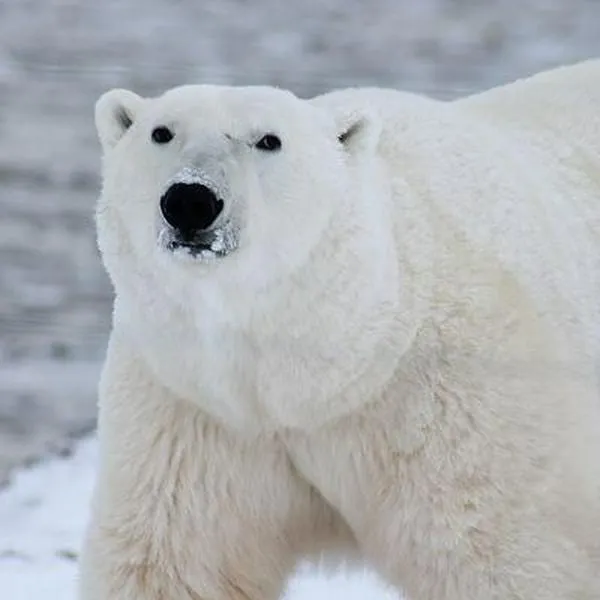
269,142
162,135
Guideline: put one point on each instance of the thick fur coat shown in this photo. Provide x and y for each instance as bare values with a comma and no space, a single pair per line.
394,353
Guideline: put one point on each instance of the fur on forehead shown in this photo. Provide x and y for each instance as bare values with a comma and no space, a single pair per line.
229,105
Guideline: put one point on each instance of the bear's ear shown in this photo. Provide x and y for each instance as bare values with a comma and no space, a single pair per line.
115,112
358,131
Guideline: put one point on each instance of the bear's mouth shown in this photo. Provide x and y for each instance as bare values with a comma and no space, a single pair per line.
216,243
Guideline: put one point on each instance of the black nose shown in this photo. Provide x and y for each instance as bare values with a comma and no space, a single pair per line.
190,207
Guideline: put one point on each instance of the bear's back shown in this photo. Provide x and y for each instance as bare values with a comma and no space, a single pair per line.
564,101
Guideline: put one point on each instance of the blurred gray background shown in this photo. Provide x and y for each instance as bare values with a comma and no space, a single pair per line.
58,56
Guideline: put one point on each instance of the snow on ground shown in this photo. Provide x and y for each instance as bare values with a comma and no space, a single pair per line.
42,518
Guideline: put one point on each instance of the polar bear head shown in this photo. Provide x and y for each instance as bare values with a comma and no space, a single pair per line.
259,229
238,181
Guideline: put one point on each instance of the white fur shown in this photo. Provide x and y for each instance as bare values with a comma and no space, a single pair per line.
400,358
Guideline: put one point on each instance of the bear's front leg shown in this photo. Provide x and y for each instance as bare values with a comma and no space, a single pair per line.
447,512
184,510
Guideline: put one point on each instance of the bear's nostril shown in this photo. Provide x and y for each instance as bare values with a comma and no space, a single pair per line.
190,207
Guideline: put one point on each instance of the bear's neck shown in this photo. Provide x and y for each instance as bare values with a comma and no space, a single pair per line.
329,337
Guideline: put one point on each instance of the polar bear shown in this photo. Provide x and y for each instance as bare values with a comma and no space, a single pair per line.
365,323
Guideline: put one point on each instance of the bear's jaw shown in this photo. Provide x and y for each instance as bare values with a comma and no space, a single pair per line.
216,243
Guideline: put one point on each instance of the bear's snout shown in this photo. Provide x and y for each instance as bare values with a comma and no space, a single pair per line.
190,207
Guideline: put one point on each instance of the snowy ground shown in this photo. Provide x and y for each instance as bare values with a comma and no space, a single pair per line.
42,517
